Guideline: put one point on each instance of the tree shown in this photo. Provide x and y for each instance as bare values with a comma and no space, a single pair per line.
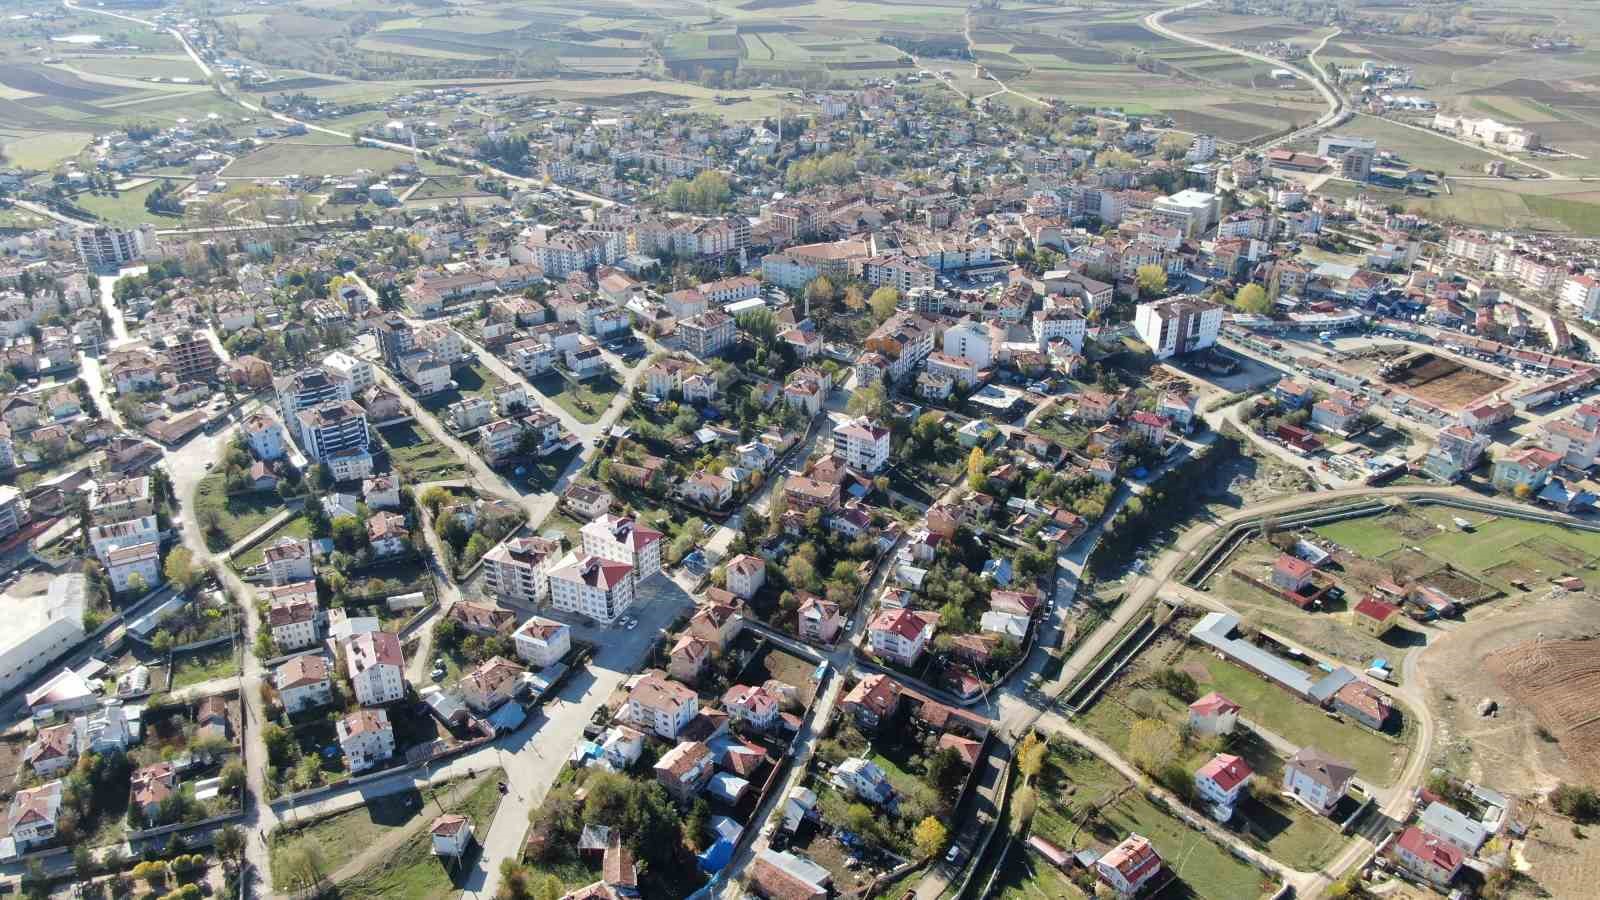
884,301
233,779
820,291
868,401
1023,806
349,534
229,843
1151,279
136,585
180,569
1030,758
1151,743
977,469
1172,145
433,498
945,770
1252,299
930,836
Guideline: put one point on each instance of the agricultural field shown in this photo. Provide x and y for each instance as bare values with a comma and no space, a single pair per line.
1564,206
293,159
1419,148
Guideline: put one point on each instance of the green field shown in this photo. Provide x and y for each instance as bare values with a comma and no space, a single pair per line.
585,401
1070,781
1508,204
44,151
1378,759
196,666
410,869
419,457
290,159
1417,147
297,527
171,66
237,516
127,207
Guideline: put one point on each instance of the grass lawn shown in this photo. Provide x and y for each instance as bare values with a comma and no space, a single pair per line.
1072,782
1378,759
297,527
1027,876
238,515
583,400
412,872
1282,830
203,665
419,457
126,207
561,522
471,381
342,836
1369,537
290,159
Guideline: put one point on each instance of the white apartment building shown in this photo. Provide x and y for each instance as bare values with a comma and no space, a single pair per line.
1178,325
518,569
1060,323
592,586
902,634
660,704
289,560
333,428
293,615
303,683
102,247
1473,247
560,252
974,340
310,387
542,642
366,737
863,444
265,437
131,532
1582,294
355,371
624,540
1317,780
144,560
746,574
376,666
1193,211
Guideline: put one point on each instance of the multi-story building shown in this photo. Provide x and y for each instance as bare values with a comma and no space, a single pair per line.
1582,294
332,428
904,340
366,737
293,616
1351,156
377,667
303,682
560,252
542,642
1221,781
355,371
1317,779
1191,210
1178,325
707,334
265,436
120,499
490,684
1060,323
102,247
143,560
1129,866
902,634
395,339
594,586
288,561
661,705
862,444
975,340
819,619
1472,246
190,355
130,532
518,569
625,540
1428,857
898,271
310,387
746,574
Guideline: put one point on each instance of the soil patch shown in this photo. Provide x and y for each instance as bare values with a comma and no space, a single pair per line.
1559,680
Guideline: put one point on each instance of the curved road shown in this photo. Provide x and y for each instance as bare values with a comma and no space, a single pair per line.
1336,107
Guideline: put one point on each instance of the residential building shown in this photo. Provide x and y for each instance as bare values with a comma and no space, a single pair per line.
490,684
451,834
293,615
592,585
1213,715
518,569
1453,827
542,642
1129,866
366,737
819,619
625,540
707,334
874,700
1430,858
1375,617
52,751
660,705
746,574
1220,782
685,770
143,560
265,436
303,682
331,428
33,815
862,779
377,667
1178,325
863,444
1317,779
755,706
103,248
288,561
901,635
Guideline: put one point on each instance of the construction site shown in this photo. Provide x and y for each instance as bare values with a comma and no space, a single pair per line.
1441,381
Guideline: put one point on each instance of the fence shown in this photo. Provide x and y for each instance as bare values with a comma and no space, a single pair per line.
159,830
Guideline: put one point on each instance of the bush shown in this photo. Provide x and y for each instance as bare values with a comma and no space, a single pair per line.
1578,803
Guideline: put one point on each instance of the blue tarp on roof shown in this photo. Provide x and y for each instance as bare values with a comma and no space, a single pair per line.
508,717
715,858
